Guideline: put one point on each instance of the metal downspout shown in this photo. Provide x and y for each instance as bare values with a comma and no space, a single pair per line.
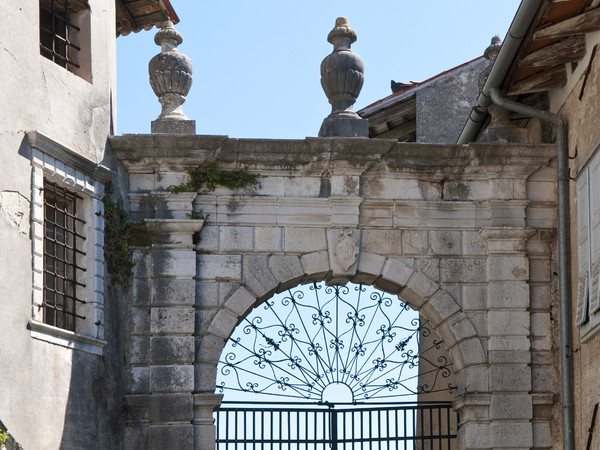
563,257
516,32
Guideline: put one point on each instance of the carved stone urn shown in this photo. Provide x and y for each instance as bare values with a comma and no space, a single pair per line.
342,79
171,79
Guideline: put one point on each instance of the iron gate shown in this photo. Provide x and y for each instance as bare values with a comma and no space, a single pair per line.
338,359
423,425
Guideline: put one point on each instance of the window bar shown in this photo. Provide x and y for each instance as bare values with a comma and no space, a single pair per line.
59,56
60,257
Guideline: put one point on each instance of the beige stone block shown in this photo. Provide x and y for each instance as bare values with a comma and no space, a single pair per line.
140,321
138,380
223,324
209,239
539,270
541,191
257,276
467,353
396,274
172,349
507,268
168,408
139,350
473,378
474,435
302,186
509,356
207,294
443,304
502,189
176,320
205,377
382,242
268,239
510,378
474,297
173,291
511,434
467,270
509,323
316,264
445,242
181,263
541,324
219,267
370,264
172,378
345,185
287,269
236,239
210,349
429,267
204,318
240,302
473,244
511,406
422,285
171,436
502,295
304,240
542,435
518,343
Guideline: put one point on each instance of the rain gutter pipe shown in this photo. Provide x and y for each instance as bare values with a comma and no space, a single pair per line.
510,46
563,256
489,92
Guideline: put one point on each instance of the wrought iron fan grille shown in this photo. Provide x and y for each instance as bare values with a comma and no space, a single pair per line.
300,342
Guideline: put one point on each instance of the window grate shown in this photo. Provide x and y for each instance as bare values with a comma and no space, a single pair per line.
62,249
57,33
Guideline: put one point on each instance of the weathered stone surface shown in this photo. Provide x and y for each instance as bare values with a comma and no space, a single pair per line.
173,378
445,242
171,408
316,264
463,270
257,276
268,239
382,242
304,240
240,301
171,349
173,291
219,267
223,324
512,406
176,320
287,269
171,437
236,239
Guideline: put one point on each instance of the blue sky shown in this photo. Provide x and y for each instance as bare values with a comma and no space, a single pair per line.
256,63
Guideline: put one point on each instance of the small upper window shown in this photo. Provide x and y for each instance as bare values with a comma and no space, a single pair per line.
63,254
63,30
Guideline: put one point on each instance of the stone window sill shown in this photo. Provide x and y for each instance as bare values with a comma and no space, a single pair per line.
66,338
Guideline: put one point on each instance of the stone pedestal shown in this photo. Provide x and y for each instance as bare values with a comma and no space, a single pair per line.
344,127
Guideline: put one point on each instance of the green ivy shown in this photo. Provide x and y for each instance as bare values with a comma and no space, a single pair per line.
120,235
207,176
3,437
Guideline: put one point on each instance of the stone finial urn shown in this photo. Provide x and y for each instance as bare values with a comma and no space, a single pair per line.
342,79
171,79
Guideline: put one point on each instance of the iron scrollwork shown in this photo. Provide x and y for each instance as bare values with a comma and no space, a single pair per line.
294,347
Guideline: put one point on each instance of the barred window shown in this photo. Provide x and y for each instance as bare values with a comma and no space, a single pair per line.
62,35
63,257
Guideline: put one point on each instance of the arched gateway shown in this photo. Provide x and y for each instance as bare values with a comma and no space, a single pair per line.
463,234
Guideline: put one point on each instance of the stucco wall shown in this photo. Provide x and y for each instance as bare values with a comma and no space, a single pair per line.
50,396
578,103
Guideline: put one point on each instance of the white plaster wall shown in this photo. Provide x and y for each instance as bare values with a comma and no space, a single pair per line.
36,381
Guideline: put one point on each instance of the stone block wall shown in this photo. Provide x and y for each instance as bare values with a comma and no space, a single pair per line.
464,235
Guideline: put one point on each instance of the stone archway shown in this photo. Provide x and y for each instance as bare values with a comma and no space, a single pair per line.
462,233
279,272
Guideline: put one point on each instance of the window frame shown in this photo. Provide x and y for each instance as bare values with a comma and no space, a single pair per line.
587,200
53,163
64,35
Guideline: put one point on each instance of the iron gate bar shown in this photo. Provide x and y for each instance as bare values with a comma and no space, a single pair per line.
327,415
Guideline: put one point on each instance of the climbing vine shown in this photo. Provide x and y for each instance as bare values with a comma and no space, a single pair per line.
206,177
120,236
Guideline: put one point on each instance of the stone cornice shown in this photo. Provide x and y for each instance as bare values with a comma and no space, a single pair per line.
69,157
150,153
